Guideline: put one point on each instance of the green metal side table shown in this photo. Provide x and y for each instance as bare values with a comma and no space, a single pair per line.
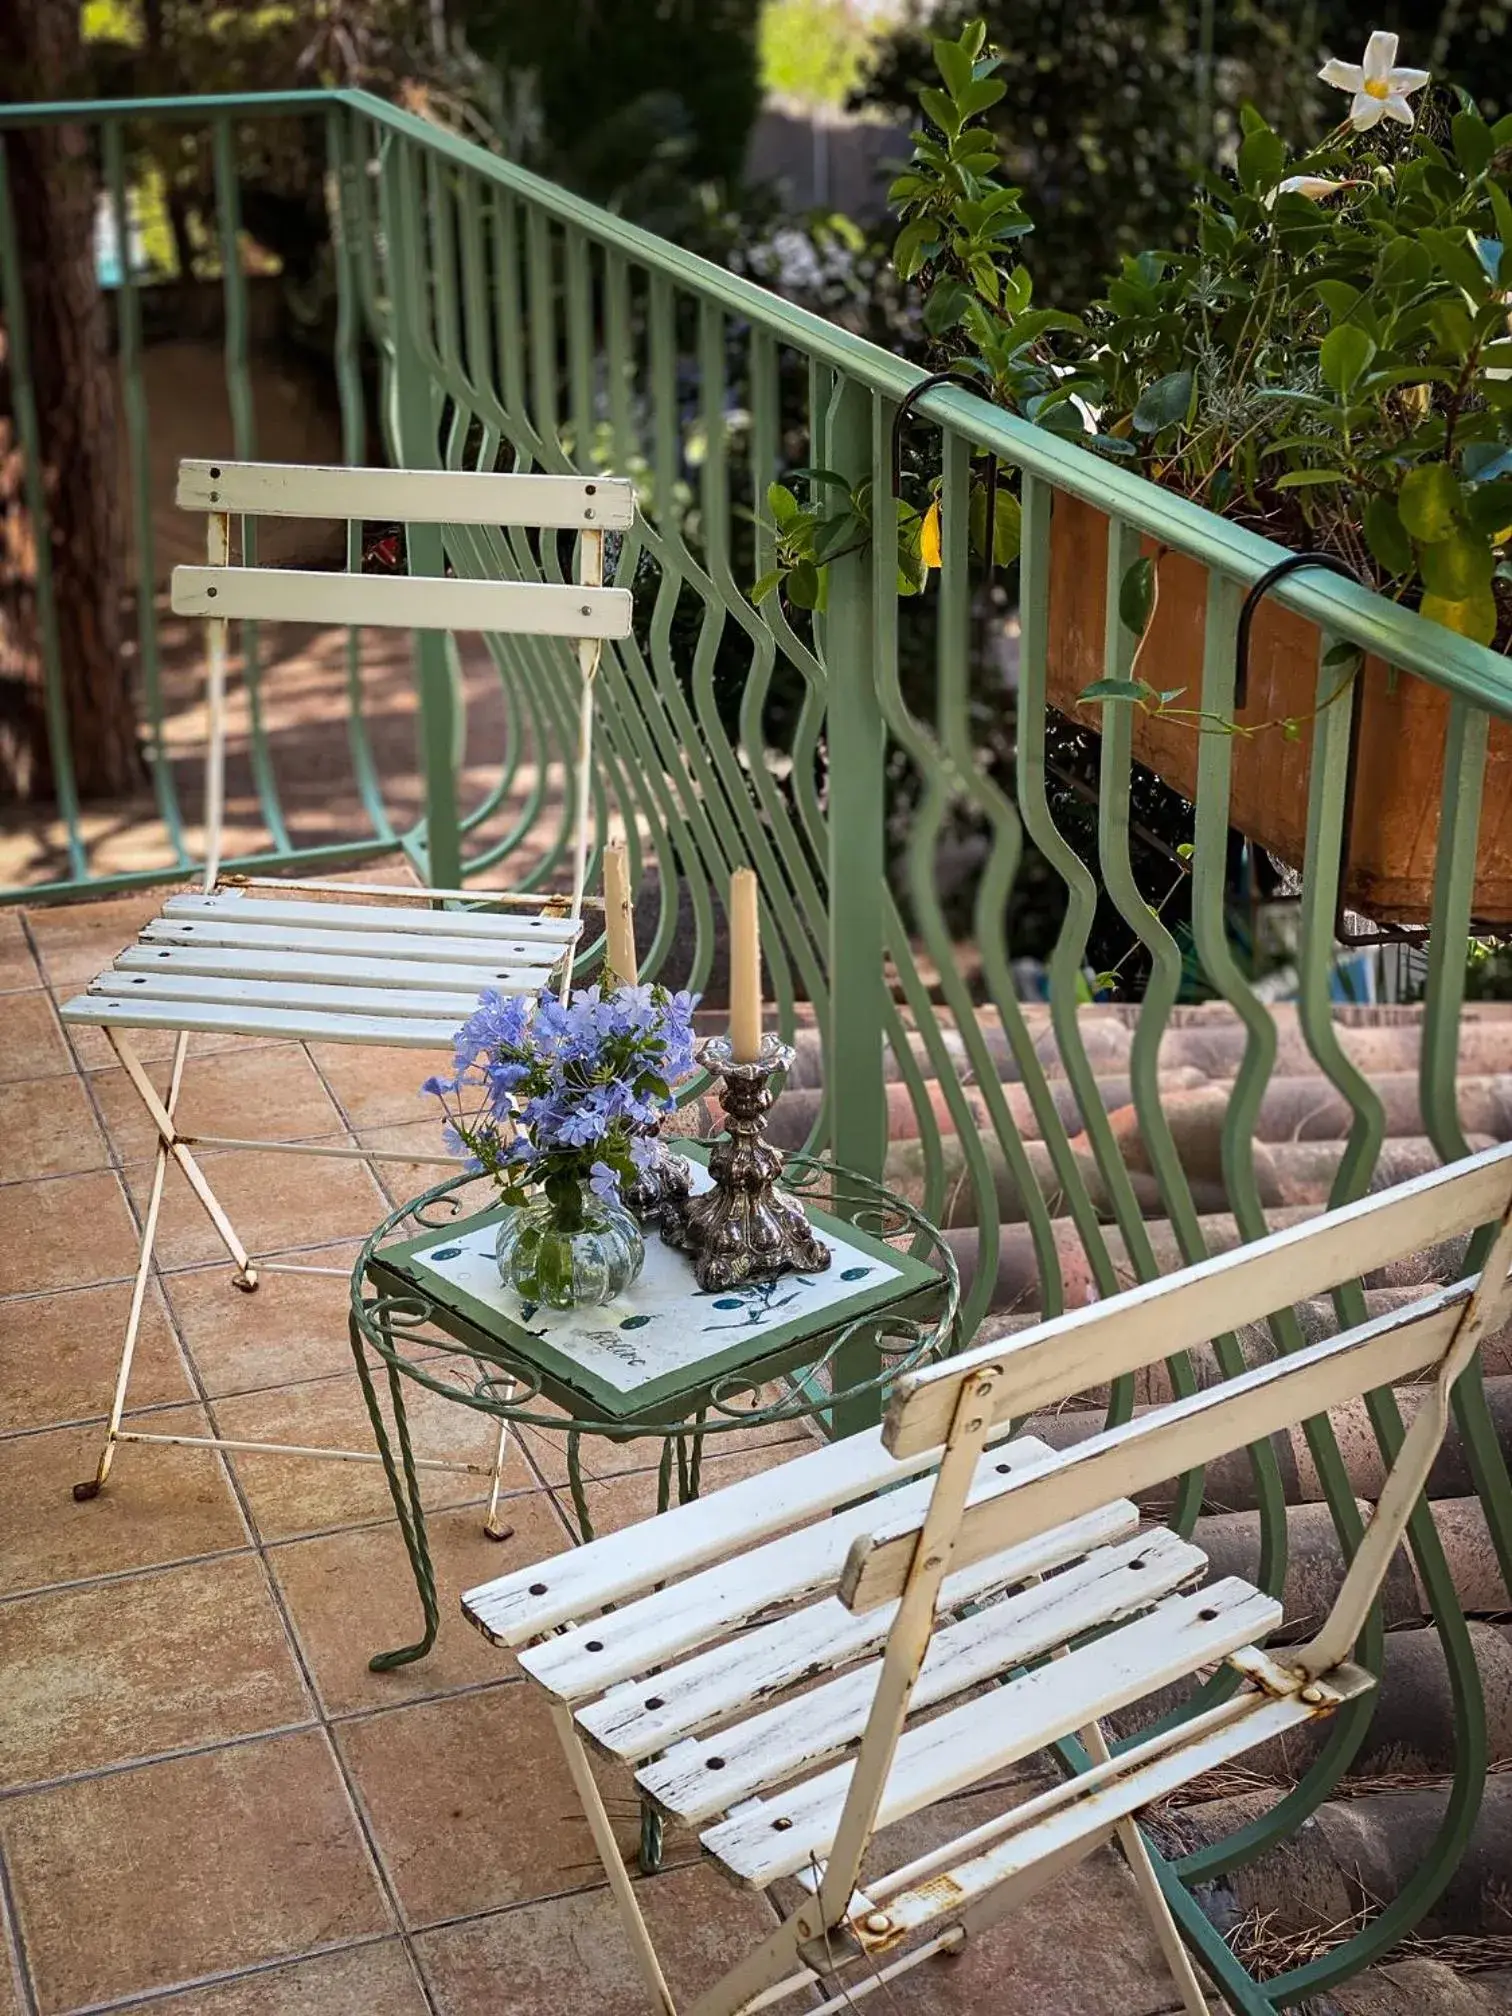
665,1362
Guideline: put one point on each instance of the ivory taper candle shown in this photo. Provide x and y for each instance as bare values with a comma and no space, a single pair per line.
745,968
619,918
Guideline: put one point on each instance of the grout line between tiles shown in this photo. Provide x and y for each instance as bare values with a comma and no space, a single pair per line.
119,1766
15,1941
134,1574
145,1997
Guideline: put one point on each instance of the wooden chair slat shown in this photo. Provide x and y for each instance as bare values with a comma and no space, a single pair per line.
377,943
404,921
402,602
230,962
757,1664
771,1838
408,496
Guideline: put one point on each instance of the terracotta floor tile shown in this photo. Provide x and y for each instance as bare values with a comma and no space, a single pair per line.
17,966
403,1180
169,1661
31,1043
471,1803
379,1088
267,1091
68,1233
253,1852
62,1351
622,1500
78,940
48,1128
160,1505
376,1979
293,1328
571,1955
293,1495
353,1594
275,1203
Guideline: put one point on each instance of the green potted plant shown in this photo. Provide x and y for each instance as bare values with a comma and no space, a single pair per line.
1329,363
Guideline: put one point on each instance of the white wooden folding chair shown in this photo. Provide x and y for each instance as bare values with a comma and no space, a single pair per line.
342,962
790,1688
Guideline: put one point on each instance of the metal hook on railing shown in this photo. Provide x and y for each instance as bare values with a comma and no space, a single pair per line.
1256,595
965,383
1390,934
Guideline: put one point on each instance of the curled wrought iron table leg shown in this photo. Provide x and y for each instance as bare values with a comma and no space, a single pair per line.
404,1489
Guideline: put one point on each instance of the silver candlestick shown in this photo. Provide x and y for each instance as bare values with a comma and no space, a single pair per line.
744,1229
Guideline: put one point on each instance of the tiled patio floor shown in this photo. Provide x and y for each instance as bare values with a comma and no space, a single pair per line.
208,1800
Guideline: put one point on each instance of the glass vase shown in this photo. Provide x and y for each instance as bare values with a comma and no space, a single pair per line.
569,1259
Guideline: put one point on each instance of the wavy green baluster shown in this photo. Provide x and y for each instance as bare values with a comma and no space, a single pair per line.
1453,899
137,430
1164,983
580,346
345,224
244,448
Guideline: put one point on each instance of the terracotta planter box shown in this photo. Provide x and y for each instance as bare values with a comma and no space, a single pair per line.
1393,840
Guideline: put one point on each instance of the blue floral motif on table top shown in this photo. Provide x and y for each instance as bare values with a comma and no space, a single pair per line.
635,1322
855,1273
444,1253
759,1301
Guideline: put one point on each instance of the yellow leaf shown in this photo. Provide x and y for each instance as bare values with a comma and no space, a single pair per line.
929,536
1475,618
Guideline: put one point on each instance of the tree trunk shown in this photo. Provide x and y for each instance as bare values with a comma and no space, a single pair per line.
52,190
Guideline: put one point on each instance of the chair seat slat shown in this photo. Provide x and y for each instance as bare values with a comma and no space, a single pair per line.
964,1745
706,1777
757,1664
406,1003
1012,1867
517,1607
375,944
231,962
672,1620
406,920
301,1025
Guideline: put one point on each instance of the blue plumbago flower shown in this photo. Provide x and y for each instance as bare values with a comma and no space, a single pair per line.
604,1182
565,1089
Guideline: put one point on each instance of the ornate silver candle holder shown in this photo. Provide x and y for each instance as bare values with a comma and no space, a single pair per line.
744,1229
660,1193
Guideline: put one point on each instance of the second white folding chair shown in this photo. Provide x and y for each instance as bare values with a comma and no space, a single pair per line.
346,962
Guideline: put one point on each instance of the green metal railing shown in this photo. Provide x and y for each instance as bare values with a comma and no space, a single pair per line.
517,325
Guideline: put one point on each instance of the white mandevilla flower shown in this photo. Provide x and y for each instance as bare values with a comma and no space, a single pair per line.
1315,186
1380,89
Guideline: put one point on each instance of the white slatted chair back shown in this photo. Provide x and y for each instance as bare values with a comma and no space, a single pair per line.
959,1404
583,610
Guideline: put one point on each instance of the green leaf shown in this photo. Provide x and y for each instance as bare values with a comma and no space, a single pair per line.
1343,653
1116,689
1262,160
803,585
1474,618
1164,403
945,305
914,246
782,504
1386,537
1345,356
1473,144
942,110
954,65
830,476
1429,502
1489,508
1007,528
1457,569
1136,595
1310,479
1338,297
761,589
1452,253
978,97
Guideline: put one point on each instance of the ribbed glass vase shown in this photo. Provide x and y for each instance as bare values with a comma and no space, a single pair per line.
570,1259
